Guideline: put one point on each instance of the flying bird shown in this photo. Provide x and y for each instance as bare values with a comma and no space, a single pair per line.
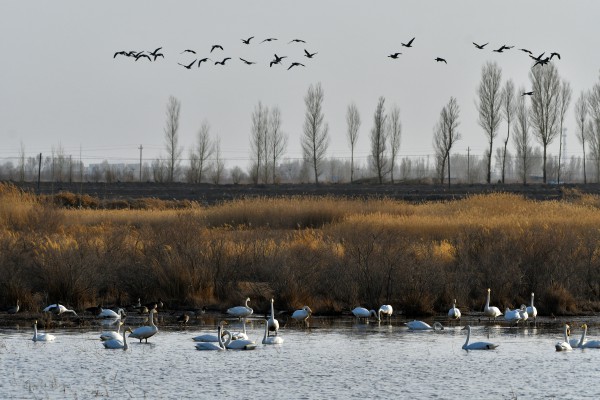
504,47
538,58
500,50
247,62
308,55
526,51
121,52
480,46
203,60
277,60
187,66
527,94
394,55
222,62
554,54
542,62
216,46
438,59
295,64
143,55
297,41
409,44
155,51
247,41
188,51
268,40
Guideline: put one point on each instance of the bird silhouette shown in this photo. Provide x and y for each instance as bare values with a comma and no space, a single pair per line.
143,55
554,54
223,61
438,59
538,58
504,47
247,62
121,53
247,41
527,94
295,64
297,41
542,62
203,60
308,55
188,51
216,46
187,66
394,55
480,46
277,60
526,51
155,52
268,40
409,44
500,50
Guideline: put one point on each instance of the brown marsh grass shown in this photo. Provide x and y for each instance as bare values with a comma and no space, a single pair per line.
330,254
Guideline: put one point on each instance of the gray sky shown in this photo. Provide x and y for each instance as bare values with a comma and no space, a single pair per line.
59,83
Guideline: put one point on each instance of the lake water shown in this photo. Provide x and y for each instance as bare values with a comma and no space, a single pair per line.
334,359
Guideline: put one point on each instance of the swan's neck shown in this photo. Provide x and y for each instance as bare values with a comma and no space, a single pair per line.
34,331
124,340
152,318
566,336
583,336
468,337
247,300
272,310
266,333
219,338
532,300
487,302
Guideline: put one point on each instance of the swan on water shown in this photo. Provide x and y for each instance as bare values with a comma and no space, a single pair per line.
272,323
424,326
109,335
564,345
531,310
271,339
59,309
219,345
240,344
240,335
302,314
209,337
512,315
110,314
144,332
454,313
241,311
575,342
41,337
385,309
590,344
523,314
361,312
476,345
491,312
116,343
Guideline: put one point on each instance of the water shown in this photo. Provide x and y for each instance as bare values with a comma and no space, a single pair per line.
336,359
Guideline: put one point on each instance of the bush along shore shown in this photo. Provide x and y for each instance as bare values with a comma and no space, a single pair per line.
331,254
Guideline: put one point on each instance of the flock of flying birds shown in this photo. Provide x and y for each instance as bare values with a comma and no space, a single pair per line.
154,55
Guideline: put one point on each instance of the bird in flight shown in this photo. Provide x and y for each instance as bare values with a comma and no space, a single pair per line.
542,62
247,62
268,40
409,44
295,64
504,47
188,51
203,60
527,94
500,50
156,54
222,62
124,53
308,55
247,41
297,41
142,55
480,46
394,55
554,54
277,60
187,66
216,46
438,59
526,51
155,51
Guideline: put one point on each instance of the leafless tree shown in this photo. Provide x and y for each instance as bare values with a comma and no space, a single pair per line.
439,147
277,141
508,110
378,141
22,163
218,165
172,138
522,138
564,100
581,117
201,153
489,106
395,136
545,84
446,135
593,138
258,136
353,124
315,139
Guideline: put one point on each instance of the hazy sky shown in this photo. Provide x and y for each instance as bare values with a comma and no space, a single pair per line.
59,83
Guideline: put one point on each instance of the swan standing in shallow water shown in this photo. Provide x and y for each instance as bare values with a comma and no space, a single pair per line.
491,312
271,339
109,335
116,343
591,344
564,345
240,344
302,314
41,337
424,326
512,315
211,345
272,323
385,309
476,345
454,313
531,310
59,309
361,312
144,332
523,313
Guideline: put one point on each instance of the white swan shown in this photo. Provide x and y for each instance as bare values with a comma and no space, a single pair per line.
58,309
241,344
590,344
523,313
272,323
144,332
454,312
424,326
575,342
209,337
241,311
240,335
361,312
531,310
15,309
211,345
564,345
41,337
491,312
109,335
476,345
512,315
271,339
110,314
385,309
116,343
302,314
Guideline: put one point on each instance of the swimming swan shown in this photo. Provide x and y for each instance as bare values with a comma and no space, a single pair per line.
144,332
272,323
106,313
109,335
209,338
424,326
454,312
476,345
116,343
241,311
564,345
211,345
512,315
241,344
591,344
271,339
491,312
41,337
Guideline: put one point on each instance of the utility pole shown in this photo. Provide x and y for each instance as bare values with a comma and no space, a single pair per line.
469,165
141,148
